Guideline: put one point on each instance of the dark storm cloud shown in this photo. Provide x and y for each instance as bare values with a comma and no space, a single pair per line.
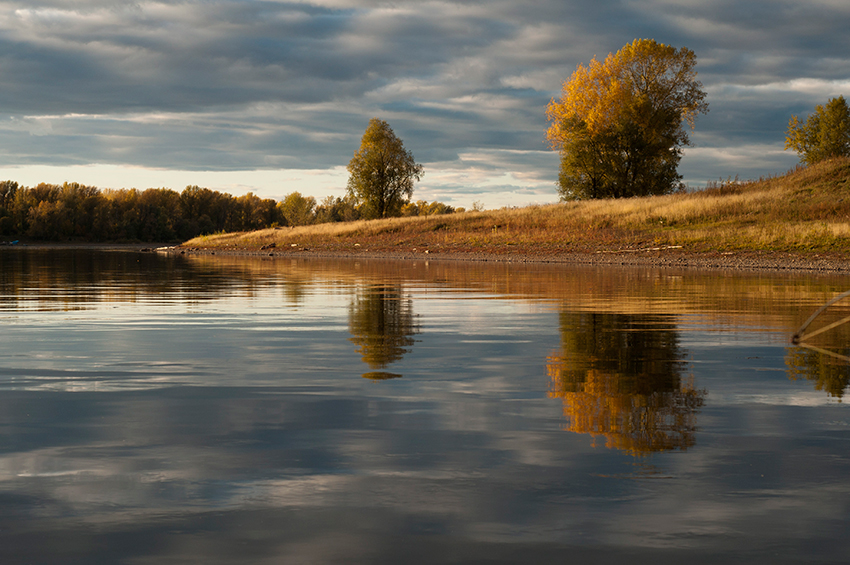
250,84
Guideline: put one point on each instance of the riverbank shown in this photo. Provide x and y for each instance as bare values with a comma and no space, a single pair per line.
799,221
651,257
796,222
666,258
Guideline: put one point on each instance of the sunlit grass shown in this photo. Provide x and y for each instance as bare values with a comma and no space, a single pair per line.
807,209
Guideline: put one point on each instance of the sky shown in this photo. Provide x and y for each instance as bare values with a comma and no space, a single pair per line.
272,97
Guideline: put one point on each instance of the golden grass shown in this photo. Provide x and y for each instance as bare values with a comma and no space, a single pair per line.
807,209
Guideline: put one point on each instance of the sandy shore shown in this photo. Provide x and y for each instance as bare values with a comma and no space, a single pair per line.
674,258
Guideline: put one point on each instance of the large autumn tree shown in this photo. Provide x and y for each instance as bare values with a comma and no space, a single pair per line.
823,135
382,172
620,124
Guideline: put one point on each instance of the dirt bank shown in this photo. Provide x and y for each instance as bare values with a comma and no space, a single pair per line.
652,257
739,261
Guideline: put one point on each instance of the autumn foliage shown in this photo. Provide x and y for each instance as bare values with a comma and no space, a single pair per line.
619,124
74,211
825,134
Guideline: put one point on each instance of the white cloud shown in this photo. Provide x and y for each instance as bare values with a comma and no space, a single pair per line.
266,183
243,85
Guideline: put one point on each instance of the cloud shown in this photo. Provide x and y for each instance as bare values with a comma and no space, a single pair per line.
238,85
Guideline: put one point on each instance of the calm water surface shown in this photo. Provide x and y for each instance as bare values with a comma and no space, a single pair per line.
220,410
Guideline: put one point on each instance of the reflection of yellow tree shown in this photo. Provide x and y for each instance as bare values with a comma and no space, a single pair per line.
619,376
382,321
829,371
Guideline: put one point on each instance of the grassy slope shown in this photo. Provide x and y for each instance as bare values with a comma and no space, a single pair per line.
807,210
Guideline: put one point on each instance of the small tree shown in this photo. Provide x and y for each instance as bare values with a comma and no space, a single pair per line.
382,172
336,209
298,210
824,135
8,189
619,124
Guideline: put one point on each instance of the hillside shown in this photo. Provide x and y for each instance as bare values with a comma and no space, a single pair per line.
806,211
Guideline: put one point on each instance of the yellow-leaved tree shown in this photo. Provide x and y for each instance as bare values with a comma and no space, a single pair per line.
298,210
823,135
619,124
382,172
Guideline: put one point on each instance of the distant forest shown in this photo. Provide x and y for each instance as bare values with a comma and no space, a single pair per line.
75,212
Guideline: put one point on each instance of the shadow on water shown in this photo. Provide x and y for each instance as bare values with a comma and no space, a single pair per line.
620,376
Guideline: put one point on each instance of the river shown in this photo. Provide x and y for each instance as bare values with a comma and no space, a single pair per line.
177,409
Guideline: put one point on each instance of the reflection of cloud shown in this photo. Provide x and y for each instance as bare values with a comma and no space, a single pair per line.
130,489
290,473
276,454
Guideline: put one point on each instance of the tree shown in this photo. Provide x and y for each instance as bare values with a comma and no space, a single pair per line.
382,172
424,208
298,210
8,189
255,213
336,209
824,135
619,125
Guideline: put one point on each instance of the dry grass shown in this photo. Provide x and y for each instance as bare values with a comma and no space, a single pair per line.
807,209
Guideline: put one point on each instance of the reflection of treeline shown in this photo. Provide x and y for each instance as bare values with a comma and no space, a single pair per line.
829,372
76,211
72,278
823,356
747,300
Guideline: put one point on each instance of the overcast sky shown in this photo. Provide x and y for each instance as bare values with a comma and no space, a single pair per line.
273,96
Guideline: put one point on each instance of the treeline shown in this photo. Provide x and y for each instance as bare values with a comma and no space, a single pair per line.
73,211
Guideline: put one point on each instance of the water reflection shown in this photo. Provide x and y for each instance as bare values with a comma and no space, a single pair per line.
620,377
382,322
823,355
73,279
829,371
202,409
